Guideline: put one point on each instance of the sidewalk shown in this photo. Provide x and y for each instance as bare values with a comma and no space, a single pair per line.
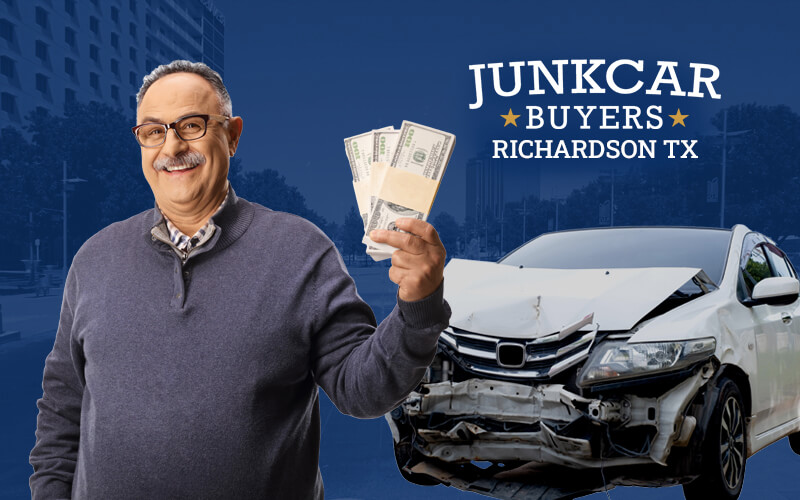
36,318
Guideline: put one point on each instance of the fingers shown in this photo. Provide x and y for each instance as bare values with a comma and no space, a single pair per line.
418,262
419,228
396,274
419,233
403,241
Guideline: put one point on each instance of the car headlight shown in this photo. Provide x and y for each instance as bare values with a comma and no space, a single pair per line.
619,360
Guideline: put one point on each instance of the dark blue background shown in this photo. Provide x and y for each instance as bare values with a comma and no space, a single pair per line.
303,76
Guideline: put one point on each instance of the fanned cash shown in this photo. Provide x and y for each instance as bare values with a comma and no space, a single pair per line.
421,151
396,173
362,150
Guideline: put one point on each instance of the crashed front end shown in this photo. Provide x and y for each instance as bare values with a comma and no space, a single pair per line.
469,410
492,409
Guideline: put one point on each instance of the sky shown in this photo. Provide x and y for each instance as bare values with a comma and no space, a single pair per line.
306,75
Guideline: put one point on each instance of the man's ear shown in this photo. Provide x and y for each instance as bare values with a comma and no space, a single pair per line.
234,133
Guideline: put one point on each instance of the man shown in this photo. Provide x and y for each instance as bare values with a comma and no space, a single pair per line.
193,336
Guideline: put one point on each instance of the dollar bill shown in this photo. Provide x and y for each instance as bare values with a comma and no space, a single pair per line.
360,150
383,144
378,255
359,153
423,151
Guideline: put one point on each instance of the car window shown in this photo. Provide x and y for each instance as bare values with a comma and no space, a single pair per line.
778,261
754,265
612,248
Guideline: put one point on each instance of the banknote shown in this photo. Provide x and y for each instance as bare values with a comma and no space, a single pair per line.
422,151
360,150
383,144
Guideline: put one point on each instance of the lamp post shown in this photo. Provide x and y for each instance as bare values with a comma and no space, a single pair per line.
611,173
66,181
725,134
524,211
558,205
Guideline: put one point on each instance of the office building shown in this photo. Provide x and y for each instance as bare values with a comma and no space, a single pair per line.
53,52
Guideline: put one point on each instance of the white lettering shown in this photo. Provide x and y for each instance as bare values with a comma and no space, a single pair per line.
666,66
581,75
496,78
637,65
698,79
557,85
478,86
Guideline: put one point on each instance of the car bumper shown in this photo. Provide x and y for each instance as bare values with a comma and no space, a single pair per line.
502,421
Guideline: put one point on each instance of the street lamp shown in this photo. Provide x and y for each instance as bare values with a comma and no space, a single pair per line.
524,211
558,204
66,181
603,173
725,134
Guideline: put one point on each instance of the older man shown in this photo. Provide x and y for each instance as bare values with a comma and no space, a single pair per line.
193,336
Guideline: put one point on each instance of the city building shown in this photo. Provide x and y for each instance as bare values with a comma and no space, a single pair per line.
484,201
53,52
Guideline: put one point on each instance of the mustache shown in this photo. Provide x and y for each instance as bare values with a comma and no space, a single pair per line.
188,158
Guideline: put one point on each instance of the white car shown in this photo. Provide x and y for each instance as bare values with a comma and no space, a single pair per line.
584,359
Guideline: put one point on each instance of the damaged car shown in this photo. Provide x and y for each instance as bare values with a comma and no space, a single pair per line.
647,356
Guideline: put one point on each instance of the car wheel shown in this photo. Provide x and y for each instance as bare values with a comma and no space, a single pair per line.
794,442
724,449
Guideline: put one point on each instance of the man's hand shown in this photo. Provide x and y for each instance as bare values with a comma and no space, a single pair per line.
418,262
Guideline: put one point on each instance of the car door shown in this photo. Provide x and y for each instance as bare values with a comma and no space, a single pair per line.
776,337
788,341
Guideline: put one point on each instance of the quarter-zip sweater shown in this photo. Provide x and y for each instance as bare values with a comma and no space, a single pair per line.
198,378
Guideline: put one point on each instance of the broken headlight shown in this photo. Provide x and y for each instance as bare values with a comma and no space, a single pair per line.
619,360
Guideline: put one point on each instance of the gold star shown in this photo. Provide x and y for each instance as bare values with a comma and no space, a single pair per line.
510,118
678,118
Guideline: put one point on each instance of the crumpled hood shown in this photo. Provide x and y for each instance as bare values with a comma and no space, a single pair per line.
507,301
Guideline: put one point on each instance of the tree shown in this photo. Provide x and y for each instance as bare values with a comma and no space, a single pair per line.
351,232
96,142
269,188
762,168
449,232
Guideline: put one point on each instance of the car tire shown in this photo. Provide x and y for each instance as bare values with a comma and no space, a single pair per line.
724,451
794,442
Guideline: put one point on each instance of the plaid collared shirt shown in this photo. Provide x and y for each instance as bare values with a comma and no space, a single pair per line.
186,244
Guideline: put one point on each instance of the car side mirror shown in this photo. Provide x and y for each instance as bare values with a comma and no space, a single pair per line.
775,291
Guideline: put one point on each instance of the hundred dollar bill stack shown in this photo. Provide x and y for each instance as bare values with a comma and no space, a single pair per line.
406,186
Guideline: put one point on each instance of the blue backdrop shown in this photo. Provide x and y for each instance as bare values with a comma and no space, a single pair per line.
305,75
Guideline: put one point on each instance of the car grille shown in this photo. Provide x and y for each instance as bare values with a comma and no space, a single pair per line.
543,357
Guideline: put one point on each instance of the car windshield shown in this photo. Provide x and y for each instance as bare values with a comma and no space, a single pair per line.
627,248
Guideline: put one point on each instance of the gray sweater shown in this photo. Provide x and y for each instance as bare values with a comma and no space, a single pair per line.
198,379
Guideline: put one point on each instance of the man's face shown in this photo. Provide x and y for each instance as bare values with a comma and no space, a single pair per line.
194,190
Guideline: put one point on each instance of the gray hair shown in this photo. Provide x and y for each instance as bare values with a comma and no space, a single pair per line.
198,68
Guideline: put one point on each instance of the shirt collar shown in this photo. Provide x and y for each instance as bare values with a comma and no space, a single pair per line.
231,223
183,242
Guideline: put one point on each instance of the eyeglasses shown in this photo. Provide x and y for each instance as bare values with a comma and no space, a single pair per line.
188,128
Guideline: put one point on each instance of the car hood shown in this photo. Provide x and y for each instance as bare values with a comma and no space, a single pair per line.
512,302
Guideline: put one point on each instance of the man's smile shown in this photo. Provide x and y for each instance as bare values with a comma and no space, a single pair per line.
180,168
183,162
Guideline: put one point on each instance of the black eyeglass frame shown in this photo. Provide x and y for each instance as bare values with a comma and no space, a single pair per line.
173,126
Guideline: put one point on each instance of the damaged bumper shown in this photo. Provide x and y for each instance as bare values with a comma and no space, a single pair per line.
502,421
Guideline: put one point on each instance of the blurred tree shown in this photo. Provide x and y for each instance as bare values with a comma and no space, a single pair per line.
269,188
762,168
351,233
96,142
449,232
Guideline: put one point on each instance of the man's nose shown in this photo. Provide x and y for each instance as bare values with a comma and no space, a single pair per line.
173,144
